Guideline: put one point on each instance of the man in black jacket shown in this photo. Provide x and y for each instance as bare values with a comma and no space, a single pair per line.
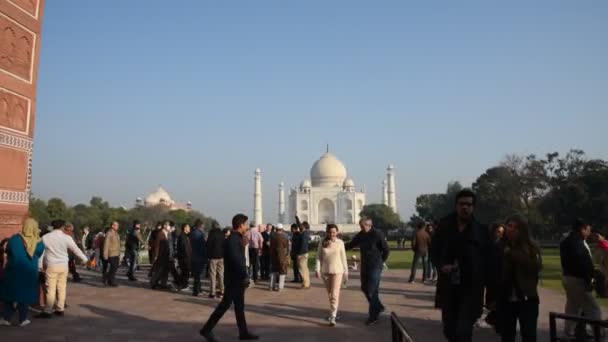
215,251
199,255
265,259
132,245
236,281
374,252
465,258
578,271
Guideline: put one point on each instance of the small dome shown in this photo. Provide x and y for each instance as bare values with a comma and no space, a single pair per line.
349,183
328,171
159,196
305,184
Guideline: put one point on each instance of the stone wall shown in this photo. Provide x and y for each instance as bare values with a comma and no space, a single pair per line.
20,26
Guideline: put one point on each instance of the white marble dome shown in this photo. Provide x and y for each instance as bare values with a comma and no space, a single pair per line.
305,184
349,183
159,196
328,171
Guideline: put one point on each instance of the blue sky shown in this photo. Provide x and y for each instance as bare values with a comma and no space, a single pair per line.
195,96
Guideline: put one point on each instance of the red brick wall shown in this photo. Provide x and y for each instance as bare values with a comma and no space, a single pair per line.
20,25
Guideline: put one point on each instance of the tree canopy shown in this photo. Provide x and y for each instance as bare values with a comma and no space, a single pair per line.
550,192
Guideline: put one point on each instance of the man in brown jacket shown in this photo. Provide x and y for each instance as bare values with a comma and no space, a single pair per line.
111,253
420,245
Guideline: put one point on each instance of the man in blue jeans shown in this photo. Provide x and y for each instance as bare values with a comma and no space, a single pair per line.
420,246
374,252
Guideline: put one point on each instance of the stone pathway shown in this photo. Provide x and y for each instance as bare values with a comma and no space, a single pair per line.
133,313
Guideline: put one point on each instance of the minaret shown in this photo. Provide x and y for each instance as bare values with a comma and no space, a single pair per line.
257,198
281,202
384,192
392,197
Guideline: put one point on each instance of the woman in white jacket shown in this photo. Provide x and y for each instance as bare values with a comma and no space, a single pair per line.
332,267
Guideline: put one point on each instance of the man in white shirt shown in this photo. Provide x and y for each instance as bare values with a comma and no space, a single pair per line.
57,246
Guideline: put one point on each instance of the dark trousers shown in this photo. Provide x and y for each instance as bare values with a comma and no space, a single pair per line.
199,268
425,266
234,293
112,264
8,311
184,273
160,273
265,265
370,284
457,313
524,312
72,268
254,264
296,271
131,257
104,269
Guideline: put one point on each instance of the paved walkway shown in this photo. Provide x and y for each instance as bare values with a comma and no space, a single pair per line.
133,313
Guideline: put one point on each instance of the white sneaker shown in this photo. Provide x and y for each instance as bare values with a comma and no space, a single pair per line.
332,321
25,323
4,323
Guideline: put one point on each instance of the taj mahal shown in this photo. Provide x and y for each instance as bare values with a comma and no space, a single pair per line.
329,196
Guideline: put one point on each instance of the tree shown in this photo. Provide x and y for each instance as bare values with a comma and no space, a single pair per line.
431,207
498,194
57,210
383,216
37,211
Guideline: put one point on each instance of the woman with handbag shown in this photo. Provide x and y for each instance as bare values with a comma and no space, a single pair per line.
20,281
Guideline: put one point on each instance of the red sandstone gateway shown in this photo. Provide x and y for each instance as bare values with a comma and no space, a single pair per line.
20,25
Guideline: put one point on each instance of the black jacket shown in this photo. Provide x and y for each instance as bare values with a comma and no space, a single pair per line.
475,254
215,244
304,242
373,248
235,269
133,240
184,249
575,258
295,244
198,246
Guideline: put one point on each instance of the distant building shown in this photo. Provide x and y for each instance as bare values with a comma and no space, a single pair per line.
162,197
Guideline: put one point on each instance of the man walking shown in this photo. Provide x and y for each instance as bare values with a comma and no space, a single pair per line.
578,271
304,241
215,251
237,280
132,245
374,252
465,258
111,253
57,245
420,245
199,255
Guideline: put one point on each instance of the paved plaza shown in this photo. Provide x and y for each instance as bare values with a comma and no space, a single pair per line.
133,312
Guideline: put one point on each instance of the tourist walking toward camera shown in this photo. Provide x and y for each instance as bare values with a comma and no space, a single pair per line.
466,260
374,252
518,300
332,267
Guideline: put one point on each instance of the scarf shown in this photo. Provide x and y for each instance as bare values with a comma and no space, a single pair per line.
30,235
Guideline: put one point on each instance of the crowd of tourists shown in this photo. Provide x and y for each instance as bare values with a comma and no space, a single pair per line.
473,267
